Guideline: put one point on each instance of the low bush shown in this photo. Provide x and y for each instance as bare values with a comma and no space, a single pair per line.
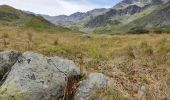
138,31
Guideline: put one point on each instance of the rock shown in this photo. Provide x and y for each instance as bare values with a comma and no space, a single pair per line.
93,82
142,91
7,60
37,77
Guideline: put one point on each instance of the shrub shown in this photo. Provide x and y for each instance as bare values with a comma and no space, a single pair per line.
138,31
30,35
30,38
130,52
147,48
56,42
158,31
5,37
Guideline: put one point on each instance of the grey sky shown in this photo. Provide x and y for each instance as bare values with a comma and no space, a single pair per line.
58,7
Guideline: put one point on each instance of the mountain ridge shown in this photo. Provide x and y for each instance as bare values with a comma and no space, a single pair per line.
71,20
112,17
117,15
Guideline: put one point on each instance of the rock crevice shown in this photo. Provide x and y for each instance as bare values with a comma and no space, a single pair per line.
7,60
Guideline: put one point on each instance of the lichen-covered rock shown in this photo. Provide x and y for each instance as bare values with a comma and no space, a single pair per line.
7,60
93,82
37,77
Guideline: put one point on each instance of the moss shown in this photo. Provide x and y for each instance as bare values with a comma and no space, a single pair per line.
144,79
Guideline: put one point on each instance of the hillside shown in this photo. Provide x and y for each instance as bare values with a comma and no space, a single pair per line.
145,17
159,18
10,16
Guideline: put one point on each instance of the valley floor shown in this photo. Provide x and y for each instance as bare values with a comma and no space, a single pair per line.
138,64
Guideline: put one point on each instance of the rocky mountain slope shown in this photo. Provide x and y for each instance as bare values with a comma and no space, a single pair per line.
159,18
75,19
140,3
10,16
127,12
114,19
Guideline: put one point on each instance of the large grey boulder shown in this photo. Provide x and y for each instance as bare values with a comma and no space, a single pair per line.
93,82
37,77
7,60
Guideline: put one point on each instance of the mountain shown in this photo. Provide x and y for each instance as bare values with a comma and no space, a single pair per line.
124,8
10,16
140,3
75,19
159,18
104,19
129,14
126,16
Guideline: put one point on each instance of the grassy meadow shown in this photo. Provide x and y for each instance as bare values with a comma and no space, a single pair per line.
132,61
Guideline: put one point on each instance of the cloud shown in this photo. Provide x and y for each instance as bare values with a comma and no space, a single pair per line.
57,7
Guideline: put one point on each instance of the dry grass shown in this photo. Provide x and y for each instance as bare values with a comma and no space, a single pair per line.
132,61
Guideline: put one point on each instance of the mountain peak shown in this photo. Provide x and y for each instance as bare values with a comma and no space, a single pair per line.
141,3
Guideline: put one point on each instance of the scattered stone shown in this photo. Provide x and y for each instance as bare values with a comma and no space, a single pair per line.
142,91
93,82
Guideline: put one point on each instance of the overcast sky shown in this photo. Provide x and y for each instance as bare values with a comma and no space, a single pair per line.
58,7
